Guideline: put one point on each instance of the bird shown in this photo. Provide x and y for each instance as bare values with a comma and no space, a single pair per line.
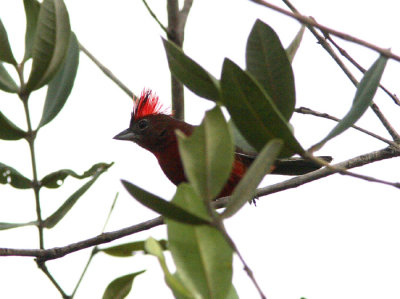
152,128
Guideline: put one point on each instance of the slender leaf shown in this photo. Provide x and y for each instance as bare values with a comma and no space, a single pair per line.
129,249
6,81
9,175
55,179
207,155
267,61
61,85
191,74
59,214
366,90
7,225
162,206
173,281
245,190
253,112
295,44
32,8
120,287
6,54
202,257
8,130
50,43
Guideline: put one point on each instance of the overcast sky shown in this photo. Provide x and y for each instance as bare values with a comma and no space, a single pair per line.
335,238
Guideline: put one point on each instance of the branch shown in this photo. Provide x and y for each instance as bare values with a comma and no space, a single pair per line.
107,72
309,21
57,252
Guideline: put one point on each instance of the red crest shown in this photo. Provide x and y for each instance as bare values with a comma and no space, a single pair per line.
147,104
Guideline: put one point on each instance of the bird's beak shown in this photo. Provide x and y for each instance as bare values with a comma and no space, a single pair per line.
125,135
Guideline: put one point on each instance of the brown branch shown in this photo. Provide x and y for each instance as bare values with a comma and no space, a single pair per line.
385,122
57,252
309,21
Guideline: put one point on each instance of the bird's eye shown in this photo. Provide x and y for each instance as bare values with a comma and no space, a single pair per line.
143,124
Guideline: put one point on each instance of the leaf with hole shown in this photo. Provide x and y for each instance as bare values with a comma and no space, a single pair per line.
190,73
120,287
366,90
50,43
207,155
267,62
9,175
253,111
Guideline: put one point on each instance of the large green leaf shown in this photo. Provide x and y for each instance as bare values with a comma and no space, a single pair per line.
6,54
55,179
202,257
207,155
173,281
162,206
50,43
268,62
59,214
120,287
61,85
9,175
253,111
8,130
129,249
245,190
6,81
366,90
191,74
32,8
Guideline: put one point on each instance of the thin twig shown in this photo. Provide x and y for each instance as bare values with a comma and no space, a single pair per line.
107,72
342,35
43,267
155,17
385,122
304,110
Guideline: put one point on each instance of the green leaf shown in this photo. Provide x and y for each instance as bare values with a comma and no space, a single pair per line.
8,130
191,74
162,206
295,44
61,85
9,175
173,281
253,111
240,141
120,287
32,8
129,249
55,179
50,43
267,61
7,225
6,54
202,257
59,214
245,190
207,155
6,81
366,90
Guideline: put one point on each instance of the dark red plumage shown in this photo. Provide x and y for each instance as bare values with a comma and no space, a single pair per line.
154,130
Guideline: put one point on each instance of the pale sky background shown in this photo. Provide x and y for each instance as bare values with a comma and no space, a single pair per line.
335,238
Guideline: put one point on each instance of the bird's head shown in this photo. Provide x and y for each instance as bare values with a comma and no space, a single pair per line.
150,127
